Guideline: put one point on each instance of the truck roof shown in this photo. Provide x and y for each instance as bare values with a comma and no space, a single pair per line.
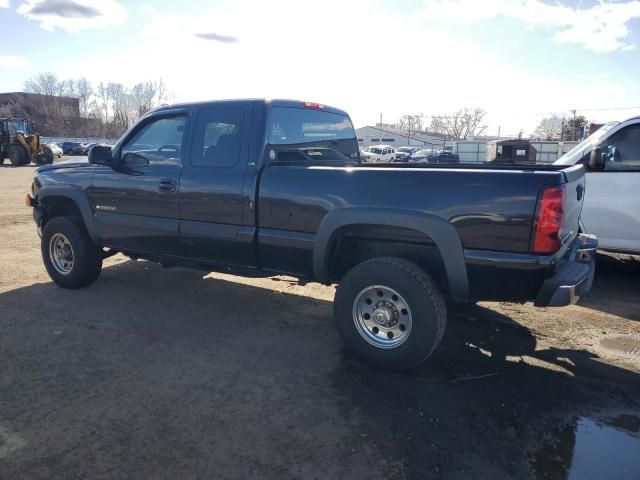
273,102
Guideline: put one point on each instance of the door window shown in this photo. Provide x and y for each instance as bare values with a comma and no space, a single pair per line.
159,141
217,137
621,151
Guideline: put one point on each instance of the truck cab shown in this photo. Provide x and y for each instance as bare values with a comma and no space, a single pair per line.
611,209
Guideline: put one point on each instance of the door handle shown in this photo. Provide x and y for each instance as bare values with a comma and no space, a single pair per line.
168,185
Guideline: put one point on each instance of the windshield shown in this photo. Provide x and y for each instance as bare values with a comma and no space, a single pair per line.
574,155
17,126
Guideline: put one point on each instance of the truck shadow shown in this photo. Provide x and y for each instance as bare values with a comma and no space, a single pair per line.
221,366
616,287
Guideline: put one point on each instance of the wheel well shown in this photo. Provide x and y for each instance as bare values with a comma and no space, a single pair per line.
354,244
59,207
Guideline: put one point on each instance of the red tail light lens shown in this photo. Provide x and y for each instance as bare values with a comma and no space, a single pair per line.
546,238
313,105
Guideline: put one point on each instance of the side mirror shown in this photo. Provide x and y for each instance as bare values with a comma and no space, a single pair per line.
596,160
100,154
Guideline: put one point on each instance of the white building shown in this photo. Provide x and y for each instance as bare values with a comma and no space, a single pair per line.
396,137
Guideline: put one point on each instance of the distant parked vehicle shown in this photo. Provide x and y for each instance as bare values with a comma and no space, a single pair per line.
402,156
56,150
422,156
82,149
443,157
379,154
67,147
411,150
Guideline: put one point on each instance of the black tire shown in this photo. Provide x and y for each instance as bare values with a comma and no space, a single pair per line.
86,262
18,156
426,307
46,157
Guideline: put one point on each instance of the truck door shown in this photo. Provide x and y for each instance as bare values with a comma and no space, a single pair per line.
136,206
211,187
610,208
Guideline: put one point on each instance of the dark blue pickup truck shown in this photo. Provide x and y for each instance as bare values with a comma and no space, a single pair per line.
263,187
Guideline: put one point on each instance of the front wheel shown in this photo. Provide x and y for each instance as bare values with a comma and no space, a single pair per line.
390,313
70,256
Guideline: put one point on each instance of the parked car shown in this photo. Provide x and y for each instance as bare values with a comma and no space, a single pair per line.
405,154
275,187
67,147
380,154
82,149
611,209
443,157
56,150
421,156
401,156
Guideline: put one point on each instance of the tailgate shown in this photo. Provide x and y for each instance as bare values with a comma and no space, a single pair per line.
573,199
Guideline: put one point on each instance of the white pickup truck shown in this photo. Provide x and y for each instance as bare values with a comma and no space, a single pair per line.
611,209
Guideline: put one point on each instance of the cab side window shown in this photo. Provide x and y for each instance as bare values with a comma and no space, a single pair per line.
159,141
621,151
217,137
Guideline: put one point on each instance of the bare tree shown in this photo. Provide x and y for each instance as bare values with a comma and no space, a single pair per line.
103,101
143,97
120,104
46,83
106,109
411,123
464,123
550,128
83,90
162,92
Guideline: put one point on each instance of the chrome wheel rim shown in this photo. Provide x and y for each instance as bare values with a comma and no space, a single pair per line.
382,316
61,254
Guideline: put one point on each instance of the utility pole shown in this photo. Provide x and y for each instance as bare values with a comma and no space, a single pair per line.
498,132
575,127
380,119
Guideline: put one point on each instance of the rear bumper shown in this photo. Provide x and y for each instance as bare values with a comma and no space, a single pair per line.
573,277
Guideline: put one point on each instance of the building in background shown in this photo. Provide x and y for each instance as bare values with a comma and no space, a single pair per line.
396,137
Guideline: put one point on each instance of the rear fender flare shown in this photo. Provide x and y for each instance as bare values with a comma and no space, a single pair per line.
443,234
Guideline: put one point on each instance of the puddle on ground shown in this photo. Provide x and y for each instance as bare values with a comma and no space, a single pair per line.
593,448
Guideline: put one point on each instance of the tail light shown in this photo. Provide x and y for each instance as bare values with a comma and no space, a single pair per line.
546,238
313,105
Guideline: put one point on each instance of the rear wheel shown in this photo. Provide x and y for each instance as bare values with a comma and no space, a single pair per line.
390,313
70,256
18,156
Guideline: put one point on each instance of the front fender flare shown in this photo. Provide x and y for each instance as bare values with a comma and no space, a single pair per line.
79,197
443,234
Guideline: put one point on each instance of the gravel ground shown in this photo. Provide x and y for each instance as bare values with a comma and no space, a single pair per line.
156,373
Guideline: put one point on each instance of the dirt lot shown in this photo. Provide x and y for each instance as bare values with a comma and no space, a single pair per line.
157,373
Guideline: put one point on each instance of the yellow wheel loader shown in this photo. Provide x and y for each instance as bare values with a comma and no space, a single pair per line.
20,147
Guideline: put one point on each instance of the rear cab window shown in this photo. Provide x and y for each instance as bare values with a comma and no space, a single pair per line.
312,135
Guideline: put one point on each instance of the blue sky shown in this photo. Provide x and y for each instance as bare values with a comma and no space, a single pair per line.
518,59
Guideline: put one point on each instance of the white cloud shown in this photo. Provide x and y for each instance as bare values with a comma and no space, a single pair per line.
73,15
601,28
4,3
12,61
